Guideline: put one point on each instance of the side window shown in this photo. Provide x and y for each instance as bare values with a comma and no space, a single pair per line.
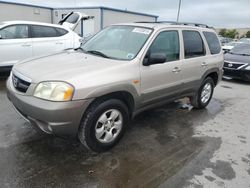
193,44
167,42
213,42
61,31
15,32
38,31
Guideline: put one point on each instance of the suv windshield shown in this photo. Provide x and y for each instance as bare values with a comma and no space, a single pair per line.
118,42
241,49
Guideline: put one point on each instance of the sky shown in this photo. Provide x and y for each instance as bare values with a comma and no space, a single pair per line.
216,13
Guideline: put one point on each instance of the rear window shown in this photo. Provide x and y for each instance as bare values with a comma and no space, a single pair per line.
72,18
193,44
213,42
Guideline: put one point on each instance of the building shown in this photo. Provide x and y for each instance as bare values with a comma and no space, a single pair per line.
103,16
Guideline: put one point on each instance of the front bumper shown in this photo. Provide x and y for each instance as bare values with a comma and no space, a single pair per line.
59,118
237,73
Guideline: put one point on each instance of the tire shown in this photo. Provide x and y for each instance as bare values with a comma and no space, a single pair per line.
99,134
198,101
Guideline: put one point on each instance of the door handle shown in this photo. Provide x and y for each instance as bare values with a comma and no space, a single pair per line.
59,42
204,64
26,45
176,70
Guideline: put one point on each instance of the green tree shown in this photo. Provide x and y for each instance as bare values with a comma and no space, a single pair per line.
248,34
232,33
223,32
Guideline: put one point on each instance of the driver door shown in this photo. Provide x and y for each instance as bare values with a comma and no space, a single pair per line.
159,81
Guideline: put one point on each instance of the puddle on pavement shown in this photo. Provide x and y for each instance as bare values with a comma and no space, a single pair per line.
158,143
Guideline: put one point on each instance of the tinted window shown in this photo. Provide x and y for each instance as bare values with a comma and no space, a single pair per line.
213,42
61,31
193,44
72,18
167,42
43,31
14,32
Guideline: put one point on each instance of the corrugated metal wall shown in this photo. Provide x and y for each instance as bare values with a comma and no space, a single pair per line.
113,17
9,12
103,16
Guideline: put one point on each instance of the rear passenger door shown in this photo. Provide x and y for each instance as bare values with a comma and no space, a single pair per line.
195,61
47,39
163,80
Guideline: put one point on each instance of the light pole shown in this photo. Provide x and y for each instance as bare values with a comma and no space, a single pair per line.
179,9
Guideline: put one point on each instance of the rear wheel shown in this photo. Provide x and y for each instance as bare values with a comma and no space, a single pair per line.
204,94
103,124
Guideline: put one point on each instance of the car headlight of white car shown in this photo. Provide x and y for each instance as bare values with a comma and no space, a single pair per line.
54,91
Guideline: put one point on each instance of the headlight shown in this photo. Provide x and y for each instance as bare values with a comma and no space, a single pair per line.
54,91
248,67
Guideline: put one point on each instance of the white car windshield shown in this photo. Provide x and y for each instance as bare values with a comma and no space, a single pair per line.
118,42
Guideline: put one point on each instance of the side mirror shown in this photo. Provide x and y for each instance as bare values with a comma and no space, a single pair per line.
154,58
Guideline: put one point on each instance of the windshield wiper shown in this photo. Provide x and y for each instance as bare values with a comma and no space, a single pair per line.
95,52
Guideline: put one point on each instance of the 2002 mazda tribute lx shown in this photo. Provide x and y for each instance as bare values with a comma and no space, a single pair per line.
92,92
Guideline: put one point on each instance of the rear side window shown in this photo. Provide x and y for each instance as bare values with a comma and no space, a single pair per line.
14,32
167,42
61,31
38,31
193,44
213,42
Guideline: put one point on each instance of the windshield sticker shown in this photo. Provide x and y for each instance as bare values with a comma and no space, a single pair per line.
130,56
142,30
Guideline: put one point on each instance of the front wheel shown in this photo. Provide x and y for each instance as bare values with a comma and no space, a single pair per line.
204,94
103,124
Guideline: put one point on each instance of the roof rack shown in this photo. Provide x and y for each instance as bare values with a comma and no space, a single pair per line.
179,23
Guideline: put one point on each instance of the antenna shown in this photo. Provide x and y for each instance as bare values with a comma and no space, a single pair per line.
179,10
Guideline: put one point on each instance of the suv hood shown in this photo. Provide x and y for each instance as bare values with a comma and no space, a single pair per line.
64,66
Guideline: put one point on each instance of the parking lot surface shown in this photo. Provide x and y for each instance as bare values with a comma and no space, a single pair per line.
171,146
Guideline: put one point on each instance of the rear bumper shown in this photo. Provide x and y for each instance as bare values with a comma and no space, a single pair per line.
59,118
238,74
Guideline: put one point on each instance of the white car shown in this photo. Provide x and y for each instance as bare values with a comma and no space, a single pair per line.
23,39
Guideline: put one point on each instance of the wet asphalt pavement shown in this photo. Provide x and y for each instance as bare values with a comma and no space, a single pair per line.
171,146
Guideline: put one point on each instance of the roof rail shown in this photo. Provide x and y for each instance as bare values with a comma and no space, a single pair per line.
179,23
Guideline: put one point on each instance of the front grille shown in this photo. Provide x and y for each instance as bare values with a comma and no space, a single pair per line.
19,84
233,65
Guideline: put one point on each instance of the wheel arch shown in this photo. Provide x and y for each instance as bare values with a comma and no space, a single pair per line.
214,74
